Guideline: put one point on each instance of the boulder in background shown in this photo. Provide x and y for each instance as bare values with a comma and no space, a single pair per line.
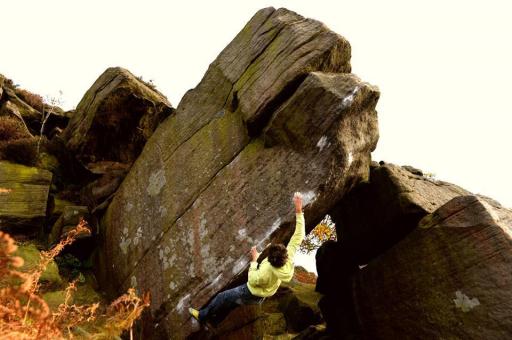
448,279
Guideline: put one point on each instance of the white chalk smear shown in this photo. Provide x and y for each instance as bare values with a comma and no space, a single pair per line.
347,101
181,303
156,182
308,197
322,143
350,159
240,266
465,303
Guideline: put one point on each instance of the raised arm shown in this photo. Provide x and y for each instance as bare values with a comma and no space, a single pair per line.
285,273
300,232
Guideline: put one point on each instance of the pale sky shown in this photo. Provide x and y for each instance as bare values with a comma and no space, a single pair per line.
443,67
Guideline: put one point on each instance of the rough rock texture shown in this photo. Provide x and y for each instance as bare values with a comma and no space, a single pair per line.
218,176
378,213
115,118
370,219
448,279
23,202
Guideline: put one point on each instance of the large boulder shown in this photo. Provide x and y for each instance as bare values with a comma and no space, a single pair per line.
448,279
370,219
377,214
115,118
24,197
275,113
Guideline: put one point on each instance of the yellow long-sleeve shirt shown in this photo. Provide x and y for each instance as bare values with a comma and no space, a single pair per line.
265,280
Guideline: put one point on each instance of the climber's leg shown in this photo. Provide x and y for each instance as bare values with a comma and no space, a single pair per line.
225,302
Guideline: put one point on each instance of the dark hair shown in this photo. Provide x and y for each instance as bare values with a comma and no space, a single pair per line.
277,255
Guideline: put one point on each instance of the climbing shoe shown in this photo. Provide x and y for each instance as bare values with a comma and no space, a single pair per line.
194,313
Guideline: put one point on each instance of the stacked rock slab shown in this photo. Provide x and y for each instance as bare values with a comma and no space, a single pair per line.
276,112
23,197
115,118
449,279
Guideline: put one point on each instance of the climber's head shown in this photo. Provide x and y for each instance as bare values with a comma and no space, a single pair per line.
277,255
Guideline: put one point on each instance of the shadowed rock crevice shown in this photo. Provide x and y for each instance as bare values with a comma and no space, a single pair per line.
256,126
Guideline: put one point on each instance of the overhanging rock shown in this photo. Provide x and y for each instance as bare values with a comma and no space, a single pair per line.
275,113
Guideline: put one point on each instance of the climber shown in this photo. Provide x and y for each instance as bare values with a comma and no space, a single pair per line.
263,278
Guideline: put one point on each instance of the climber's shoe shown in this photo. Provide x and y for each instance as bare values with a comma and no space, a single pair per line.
194,313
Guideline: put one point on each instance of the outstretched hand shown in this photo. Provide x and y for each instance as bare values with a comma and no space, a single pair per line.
254,254
297,201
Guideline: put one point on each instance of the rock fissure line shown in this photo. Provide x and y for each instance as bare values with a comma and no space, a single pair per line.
189,137
452,213
263,23
253,60
250,81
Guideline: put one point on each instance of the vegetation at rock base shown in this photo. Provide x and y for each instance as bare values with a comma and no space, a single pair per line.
22,151
324,231
11,128
32,99
16,143
24,314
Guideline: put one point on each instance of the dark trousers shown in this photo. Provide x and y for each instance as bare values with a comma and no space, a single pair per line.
226,301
